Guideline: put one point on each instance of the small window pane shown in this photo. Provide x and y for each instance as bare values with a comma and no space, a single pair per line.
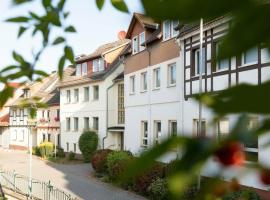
84,68
172,74
157,78
221,64
142,40
78,69
251,56
166,29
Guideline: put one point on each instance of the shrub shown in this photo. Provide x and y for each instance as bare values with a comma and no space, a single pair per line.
190,193
35,151
143,181
99,160
117,162
170,168
71,155
60,153
46,149
245,194
158,190
88,143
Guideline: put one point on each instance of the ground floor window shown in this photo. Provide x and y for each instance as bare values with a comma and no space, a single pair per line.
95,123
43,137
173,128
74,147
144,129
67,147
157,131
196,128
49,137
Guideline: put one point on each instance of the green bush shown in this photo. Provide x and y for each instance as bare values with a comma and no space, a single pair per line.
71,155
242,194
158,190
60,153
117,162
36,151
191,193
46,149
143,181
88,143
99,160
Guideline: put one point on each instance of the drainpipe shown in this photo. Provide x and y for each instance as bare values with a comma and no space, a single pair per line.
150,139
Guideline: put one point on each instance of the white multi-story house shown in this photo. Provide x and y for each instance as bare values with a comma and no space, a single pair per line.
20,126
252,67
152,84
84,96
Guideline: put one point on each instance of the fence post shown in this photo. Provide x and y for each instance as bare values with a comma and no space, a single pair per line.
50,187
14,181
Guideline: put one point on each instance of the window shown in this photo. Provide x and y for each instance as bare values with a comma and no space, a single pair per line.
172,74
84,68
14,135
101,64
68,124
21,113
144,134
58,113
156,78
43,137
67,147
86,123
78,70
157,132
21,136
95,65
95,123
223,128
86,94
166,29
132,85
172,128
197,61
26,93
143,81
74,147
96,92
68,96
224,63
173,26
43,113
196,128
142,40
250,56
48,115
121,107
135,48
76,95
76,123
49,137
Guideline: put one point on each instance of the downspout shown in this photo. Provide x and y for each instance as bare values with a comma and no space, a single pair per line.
149,97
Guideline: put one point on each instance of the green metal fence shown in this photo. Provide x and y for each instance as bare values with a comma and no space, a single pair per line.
32,188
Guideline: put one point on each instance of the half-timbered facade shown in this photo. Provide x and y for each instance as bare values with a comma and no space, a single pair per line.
251,67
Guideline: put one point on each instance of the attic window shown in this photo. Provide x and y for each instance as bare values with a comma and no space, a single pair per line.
142,40
26,93
168,29
98,65
78,69
135,47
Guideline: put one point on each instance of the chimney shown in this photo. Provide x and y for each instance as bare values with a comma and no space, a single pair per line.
122,35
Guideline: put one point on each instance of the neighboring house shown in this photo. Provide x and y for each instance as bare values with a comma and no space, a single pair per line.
152,84
252,67
19,123
83,95
4,116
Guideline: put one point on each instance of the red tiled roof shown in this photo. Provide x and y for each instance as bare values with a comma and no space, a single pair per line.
4,120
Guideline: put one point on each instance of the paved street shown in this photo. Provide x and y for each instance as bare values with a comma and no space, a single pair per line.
75,179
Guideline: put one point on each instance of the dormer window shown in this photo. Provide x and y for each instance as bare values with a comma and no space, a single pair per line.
142,40
84,68
78,70
135,47
168,29
98,65
26,93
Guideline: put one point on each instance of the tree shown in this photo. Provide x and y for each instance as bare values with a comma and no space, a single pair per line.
88,143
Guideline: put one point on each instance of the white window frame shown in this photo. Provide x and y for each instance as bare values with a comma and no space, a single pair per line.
144,137
135,45
170,67
144,85
76,95
253,62
141,41
157,133
197,61
95,92
84,68
132,84
170,128
164,30
68,96
158,69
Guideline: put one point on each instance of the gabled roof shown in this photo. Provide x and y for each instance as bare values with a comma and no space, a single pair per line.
102,49
145,21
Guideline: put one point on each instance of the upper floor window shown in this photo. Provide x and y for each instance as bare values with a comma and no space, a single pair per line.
168,29
86,123
76,123
96,92
98,64
250,56
142,40
68,96
86,94
132,85
197,61
95,123
78,69
76,95
121,107
58,113
48,114
156,78
84,68
224,63
135,46
144,81
26,93
172,74
21,113
67,124
196,132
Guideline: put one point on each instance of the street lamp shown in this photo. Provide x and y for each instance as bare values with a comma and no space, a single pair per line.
31,124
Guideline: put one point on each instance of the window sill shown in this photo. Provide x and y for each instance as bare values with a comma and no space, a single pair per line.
95,100
143,91
221,70
132,93
172,85
156,89
167,39
248,64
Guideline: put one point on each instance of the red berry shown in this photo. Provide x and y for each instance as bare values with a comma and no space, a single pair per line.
231,154
265,176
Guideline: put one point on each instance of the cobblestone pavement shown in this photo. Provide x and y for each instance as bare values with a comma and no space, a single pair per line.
75,179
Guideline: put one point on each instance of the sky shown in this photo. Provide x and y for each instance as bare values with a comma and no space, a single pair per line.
94,28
